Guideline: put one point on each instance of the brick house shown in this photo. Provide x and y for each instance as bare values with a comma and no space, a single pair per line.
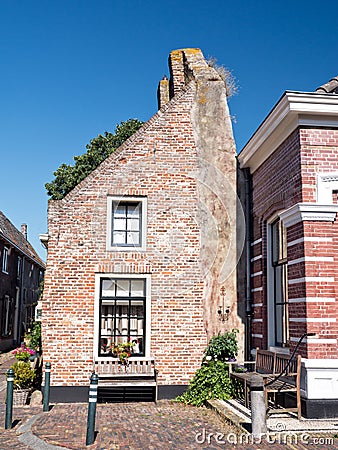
20,275
292,159
145,248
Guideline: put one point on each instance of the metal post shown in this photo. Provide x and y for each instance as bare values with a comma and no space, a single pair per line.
46,388
9,398
94,379
258,408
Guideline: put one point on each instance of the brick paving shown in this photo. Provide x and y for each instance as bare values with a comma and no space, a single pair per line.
137,426
133,426
166,425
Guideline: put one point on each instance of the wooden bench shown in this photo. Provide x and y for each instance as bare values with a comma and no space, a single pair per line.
140,372
279,375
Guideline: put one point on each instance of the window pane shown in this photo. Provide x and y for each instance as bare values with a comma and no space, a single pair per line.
279,324
134,210
120,224
119,210
119,237
108,288
133,225
275,242
122,288
133,238
137,288
136,327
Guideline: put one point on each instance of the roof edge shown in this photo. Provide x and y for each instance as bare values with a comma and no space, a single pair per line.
292,110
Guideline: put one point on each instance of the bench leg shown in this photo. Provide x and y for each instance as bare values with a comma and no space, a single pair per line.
299,405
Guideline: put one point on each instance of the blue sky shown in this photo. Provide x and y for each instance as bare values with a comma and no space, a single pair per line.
71,69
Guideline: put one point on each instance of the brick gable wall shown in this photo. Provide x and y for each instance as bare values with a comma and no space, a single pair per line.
164,162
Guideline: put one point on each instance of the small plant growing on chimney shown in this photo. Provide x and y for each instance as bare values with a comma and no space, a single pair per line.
226,75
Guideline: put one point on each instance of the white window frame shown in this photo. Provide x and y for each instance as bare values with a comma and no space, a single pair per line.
5,260
97,321
126,199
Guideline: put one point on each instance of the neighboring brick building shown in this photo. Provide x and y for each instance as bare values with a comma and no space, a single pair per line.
143,246
293,159
20,276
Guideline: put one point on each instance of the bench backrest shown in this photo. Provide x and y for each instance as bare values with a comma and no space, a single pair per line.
283,360
265,361
144,366
275,363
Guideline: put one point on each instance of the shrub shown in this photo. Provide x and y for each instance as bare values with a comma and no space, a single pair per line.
24,375
34,336
223,347
210,381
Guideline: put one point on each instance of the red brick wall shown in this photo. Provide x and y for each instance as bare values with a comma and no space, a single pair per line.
286,178
77,250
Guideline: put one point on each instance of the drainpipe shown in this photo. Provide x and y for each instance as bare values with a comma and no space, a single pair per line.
21,299
248,297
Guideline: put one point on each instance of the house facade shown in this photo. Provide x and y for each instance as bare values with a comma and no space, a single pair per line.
145,248
293,164
20,275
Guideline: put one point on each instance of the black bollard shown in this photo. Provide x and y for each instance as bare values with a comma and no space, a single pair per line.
9,399
46,388
94,379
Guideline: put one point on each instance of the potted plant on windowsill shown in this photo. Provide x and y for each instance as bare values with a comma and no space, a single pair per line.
122,351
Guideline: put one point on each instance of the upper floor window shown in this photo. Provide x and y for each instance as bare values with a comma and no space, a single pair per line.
126,223
5,260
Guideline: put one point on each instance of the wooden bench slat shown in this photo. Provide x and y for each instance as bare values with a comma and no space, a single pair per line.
271,365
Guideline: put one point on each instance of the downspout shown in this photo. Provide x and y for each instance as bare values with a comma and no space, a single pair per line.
21,299
248,297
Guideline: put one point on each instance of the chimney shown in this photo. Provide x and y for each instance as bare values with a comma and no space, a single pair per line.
186,65
24,230
176,67
163,92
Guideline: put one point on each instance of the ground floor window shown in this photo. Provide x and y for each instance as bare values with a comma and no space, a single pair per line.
280,282
122,314
7,316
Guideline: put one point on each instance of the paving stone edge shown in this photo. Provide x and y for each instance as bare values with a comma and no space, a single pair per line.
226,415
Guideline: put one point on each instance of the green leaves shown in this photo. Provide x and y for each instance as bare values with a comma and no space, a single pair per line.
99,148
24,375
223,347
210,381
